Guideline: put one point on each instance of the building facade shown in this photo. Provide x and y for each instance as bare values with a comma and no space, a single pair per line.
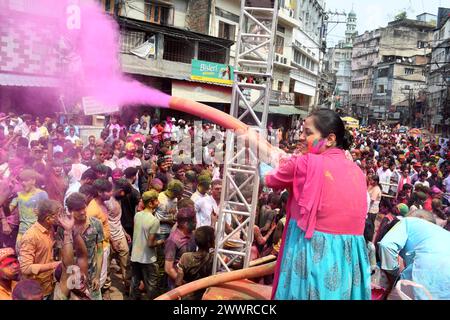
389,72
182,31
340,64
437,116
307,53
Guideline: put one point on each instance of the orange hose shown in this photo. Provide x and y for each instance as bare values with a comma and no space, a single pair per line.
224,120
217,279
206,112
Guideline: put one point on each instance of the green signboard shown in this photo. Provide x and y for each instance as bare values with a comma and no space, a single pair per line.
212,72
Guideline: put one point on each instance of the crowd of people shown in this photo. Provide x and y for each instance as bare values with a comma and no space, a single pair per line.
77,216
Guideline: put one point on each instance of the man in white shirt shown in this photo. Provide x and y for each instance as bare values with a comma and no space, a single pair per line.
203,186
422,180
384,173
207,207
130,161
72,137
23,126
34,134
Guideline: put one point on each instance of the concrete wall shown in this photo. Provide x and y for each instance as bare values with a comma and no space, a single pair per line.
402,41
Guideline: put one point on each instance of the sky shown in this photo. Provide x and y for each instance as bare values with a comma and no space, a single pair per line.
373,14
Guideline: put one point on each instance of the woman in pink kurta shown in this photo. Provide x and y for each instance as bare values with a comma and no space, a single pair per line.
323,254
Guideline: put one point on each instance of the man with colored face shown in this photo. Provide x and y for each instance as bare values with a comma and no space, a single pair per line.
180,241
9,272
119,237
56,182
27,201
97,209
144,264
129,160
91,231
36,248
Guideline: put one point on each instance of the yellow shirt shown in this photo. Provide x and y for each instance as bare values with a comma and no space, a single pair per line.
36,248
5,294
96,211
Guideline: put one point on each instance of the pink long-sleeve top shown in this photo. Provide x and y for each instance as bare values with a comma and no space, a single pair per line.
327,192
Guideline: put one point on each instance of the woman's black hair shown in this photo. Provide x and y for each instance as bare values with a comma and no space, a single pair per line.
327,122
376,179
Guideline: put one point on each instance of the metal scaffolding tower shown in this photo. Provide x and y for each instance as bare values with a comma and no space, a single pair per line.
251,92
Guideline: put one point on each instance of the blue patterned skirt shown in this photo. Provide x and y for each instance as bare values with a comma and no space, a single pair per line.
325,267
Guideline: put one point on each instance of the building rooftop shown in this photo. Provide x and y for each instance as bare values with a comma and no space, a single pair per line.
411,23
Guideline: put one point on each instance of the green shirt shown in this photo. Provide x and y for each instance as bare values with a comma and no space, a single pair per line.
26,203
145,224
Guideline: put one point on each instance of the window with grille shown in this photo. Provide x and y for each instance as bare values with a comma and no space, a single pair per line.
178,50
279,45
130,40
156,13
227,31
212,53
409,71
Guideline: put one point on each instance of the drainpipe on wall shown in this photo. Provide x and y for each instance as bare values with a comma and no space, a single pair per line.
208,17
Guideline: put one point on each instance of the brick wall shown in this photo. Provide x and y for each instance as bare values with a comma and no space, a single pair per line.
197,16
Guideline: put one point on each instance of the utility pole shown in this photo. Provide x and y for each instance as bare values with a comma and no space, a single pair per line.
329,17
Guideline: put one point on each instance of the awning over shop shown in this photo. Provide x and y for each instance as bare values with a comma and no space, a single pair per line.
17,80
285,110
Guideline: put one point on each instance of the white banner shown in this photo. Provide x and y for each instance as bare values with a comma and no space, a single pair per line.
91,107
147,49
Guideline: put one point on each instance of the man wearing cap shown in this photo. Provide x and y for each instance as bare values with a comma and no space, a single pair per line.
207,207
435,180
144,265
9,272
36,248
167,208
180,241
